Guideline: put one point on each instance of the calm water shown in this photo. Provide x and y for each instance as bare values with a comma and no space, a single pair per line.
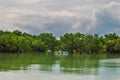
48,67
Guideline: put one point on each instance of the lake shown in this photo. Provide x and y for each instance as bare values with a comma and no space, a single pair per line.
49,67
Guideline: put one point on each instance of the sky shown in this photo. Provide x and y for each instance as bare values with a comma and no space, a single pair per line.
60,16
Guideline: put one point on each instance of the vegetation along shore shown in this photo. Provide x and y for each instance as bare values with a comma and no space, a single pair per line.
17,41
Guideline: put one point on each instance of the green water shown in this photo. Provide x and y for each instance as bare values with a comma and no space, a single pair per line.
49,67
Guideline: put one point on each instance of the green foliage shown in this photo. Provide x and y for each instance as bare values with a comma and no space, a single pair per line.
79,43
49,40
67,42
17,41
117,45
38,45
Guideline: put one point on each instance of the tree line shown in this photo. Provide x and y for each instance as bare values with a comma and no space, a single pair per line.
17,41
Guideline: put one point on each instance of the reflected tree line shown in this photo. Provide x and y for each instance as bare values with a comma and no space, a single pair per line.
79,43
23,61
83,65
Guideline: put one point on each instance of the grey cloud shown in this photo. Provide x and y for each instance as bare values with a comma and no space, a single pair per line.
57,25
60,16
107,19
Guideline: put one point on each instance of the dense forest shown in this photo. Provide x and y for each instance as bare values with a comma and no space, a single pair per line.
17,41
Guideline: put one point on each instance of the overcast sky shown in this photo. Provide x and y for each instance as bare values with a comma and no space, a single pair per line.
60,16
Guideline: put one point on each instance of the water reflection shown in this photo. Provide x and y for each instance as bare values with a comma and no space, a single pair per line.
24,61
90,65
109,69
110,63
79,65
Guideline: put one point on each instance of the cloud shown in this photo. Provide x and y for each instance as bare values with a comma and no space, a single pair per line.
108,19
59,16
55,23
